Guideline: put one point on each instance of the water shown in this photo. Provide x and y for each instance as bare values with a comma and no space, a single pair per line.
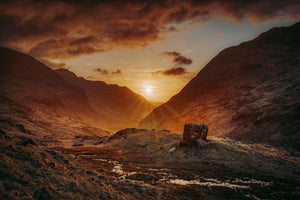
170,178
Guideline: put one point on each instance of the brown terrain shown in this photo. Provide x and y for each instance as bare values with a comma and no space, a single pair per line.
249,92
120,106
55,143
28,83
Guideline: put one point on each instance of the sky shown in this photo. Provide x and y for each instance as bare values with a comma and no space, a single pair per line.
153,47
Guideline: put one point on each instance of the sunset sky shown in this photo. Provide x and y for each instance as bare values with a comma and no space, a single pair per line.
152,47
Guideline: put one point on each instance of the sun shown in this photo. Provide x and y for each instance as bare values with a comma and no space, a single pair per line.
148,89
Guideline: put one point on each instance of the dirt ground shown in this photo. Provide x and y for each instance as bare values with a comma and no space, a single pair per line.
138,164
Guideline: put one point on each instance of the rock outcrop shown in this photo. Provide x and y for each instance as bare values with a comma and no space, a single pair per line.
195,134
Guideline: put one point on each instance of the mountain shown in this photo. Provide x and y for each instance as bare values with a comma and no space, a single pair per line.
249,92
121,106
26,81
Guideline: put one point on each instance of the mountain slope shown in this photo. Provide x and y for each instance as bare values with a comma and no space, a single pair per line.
120,105
27,81
249,92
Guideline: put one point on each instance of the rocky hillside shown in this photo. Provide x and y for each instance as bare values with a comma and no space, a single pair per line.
138,164
26,84
249,92
120,105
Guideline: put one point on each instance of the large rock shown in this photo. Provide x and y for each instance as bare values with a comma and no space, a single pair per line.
193,132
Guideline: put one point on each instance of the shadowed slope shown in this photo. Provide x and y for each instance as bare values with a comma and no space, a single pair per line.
248,92
120,105
27,81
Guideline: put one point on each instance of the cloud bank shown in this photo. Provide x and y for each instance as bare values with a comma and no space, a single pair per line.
66,29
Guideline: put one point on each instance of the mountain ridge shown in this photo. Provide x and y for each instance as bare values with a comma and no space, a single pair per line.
119,104
247,92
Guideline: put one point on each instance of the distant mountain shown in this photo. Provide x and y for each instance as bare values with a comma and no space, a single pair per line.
121,106
248,92
26,81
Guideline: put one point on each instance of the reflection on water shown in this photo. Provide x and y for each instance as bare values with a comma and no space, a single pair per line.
173,179
216,183
118,168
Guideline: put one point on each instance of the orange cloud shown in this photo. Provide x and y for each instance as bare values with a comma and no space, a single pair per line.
175,71
117,72
65,29
178,58
102,71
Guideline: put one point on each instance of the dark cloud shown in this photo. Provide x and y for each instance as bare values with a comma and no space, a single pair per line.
117,72
175,71
98,70
178,58
102,71
65,29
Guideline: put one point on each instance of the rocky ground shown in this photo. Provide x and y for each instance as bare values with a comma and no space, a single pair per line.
141,164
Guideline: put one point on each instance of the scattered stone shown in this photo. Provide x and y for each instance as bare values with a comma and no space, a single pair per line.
25,141
292,158
21,127
166,130
123,133
202,143
173,149
101,140
193,132
230,140
77,144
142,144
42,194
91,173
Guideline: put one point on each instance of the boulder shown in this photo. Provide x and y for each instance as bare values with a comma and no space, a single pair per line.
77,144
173,149
195,133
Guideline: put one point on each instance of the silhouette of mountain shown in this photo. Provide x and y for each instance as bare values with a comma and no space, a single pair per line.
249,92
120,105
26,81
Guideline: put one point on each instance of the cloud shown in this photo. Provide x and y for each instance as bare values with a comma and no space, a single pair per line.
178,58
117,72
54,29
175,71
54,65
102,71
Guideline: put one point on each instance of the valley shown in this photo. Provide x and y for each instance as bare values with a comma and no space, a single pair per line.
65,137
